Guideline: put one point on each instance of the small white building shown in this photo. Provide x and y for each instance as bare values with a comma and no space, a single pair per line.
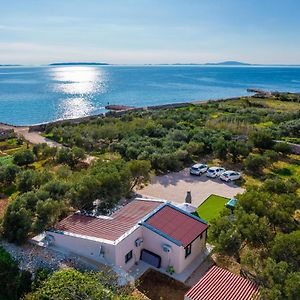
154,231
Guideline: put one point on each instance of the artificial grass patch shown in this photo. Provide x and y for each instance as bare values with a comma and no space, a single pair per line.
211,207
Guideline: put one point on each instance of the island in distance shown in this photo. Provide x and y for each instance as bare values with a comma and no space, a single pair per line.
229,63
79,63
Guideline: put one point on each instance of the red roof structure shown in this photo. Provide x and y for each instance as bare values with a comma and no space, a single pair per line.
176,224
220,284
108,228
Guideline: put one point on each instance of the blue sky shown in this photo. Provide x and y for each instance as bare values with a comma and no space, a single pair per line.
150,31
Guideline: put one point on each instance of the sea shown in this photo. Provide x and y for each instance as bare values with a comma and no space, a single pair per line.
33,95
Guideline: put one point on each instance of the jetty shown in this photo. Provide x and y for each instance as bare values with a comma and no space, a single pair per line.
118,107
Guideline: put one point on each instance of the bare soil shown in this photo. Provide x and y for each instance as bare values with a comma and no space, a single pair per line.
3,205
157,286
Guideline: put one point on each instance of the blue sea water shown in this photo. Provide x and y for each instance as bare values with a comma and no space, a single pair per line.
31,95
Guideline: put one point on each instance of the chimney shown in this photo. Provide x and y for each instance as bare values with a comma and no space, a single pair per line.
188,198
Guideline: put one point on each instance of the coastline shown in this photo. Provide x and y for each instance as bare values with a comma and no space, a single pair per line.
42,126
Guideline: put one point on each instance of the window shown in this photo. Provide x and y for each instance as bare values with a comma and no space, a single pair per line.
188,250
128,256
201,235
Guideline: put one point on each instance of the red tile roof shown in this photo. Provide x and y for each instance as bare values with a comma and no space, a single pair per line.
111,229
220,284
177,224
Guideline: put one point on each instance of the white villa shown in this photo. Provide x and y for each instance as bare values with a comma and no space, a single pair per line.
153,231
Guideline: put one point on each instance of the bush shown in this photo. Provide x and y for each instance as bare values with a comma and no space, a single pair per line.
271,155
24,157
72,284
70,157
279,186
237,150
255,164
16,223
8,174
29,180
263,139
283,148
13,282
220,148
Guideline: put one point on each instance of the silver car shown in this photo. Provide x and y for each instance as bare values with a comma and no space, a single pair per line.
198,169
214,172
230,175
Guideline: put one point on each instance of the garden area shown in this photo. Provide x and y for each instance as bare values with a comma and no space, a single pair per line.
211,207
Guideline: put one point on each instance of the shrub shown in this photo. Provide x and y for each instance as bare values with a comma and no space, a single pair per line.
13,282
271,155
24,157
255,163
263,139
283,148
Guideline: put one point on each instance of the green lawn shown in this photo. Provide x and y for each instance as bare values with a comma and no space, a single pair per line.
211,207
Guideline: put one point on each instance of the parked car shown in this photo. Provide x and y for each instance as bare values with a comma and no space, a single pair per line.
198,169
215,172
230,175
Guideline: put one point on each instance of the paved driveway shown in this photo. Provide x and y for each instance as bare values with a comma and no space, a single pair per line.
174,186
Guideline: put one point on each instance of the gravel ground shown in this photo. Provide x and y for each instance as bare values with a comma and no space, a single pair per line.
174,186
31,257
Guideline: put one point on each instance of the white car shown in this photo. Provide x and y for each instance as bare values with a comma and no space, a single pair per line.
214,172
230,175
198,169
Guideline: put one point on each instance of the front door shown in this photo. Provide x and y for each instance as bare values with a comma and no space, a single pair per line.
151,258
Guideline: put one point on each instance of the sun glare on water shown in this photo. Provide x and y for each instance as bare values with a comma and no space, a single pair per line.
79,84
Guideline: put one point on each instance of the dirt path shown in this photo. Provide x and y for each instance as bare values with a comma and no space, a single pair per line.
35,137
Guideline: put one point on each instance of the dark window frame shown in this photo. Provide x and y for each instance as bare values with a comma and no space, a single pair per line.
188,250
128,256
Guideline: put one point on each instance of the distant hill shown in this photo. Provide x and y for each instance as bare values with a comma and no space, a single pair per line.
229,63
79,64
224,63
10,65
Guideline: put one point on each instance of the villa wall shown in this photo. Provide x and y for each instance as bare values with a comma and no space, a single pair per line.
84,247
154,242
115,254
198,247
126,245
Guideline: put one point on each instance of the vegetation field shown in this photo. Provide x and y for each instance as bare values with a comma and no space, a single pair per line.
6,160
211,207
44,185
